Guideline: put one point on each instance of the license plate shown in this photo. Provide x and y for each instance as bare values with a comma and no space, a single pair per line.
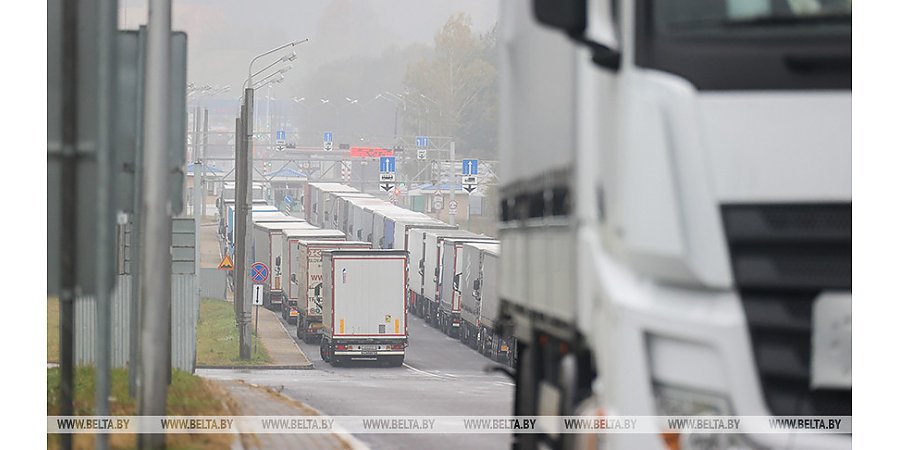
368,348
831,341
504,348
294,313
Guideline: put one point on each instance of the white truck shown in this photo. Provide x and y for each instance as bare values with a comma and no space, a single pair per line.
340,207
309,279
291,264
431,268
357,227
364,306
479,304
267,238
676,212
448,314
315,203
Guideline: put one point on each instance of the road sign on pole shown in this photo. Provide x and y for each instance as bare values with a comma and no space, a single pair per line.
226,263
257,294
259,272
388,164
470,167
328,137
451,206
280,137
421,141
421,154
386,181
470,183
437,202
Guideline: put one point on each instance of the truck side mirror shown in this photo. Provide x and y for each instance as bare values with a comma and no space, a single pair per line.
277,260
293,278
570,16
476,285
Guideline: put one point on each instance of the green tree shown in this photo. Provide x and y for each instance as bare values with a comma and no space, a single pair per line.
453,91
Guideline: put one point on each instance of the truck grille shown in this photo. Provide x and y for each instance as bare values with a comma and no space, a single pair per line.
783,256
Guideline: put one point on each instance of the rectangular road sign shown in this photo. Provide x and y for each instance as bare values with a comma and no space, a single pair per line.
280,136
386,177
470,167
421,154
328,137
257,294
421,141
388,164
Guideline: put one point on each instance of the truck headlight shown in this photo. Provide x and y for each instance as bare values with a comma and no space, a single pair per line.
676,401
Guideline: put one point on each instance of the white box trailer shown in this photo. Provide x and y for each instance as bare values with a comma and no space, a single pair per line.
384,229
291,264
431,275
339,207
229,225
364,306
309,277
368,225
449,283
356,217
268,237
479,305
314,200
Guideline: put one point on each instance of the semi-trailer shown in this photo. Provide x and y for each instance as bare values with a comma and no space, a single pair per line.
364,306
290,252
309,277
448,314
432,258
315,203
267,238
479,305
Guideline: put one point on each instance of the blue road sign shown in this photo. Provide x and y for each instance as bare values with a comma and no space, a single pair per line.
421,141
279,135
388,164
328,136
259,272
288,199
470,167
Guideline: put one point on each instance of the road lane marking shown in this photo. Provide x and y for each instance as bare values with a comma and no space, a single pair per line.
422,371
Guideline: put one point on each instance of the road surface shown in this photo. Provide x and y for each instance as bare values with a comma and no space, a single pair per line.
440,377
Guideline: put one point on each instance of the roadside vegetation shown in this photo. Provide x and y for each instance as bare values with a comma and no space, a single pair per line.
52,329
188,395
217,337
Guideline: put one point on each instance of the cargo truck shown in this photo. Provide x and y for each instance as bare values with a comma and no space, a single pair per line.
359,224
290,252
309,277
315,202
340,206
268,237
431,268
479,304
364,306
676,211
448,319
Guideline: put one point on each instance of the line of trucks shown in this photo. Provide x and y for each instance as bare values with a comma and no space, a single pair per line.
349,271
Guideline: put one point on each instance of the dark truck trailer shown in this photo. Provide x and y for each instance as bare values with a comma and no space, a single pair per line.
448,318
364,306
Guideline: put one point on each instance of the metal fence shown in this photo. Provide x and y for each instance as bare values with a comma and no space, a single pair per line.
185,307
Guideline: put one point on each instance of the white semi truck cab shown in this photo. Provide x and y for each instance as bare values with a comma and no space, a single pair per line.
676,213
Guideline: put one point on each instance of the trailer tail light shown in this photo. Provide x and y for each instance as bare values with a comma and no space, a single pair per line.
340,347
396,346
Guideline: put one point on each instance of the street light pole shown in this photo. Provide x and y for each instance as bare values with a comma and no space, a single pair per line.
156,265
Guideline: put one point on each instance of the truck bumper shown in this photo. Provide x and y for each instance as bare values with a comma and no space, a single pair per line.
682,346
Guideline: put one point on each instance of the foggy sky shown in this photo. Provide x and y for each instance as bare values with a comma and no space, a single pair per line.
223,35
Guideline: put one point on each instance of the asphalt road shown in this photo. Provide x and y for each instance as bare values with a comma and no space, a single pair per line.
440,376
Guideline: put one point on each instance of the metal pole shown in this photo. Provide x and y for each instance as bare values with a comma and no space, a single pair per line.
106,81
240,226
203,162
69,198
452,179
256,330
157,276
246,237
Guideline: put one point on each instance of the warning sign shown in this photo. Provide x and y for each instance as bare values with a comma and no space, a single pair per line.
226,263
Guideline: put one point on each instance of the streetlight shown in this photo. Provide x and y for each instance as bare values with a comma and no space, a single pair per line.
250,73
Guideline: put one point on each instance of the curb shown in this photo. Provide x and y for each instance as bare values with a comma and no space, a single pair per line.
308,366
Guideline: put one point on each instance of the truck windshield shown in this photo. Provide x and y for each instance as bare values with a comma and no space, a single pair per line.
673,17
747,44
